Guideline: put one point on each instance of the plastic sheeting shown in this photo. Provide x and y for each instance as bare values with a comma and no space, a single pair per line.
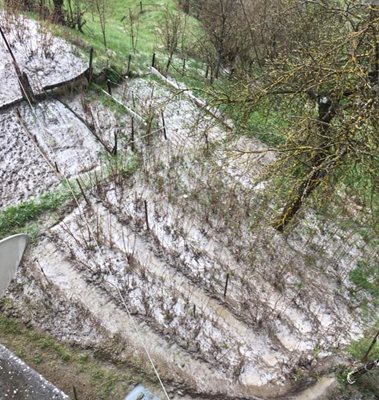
11,252
139,392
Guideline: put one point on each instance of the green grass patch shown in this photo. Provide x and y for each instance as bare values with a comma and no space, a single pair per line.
8,326
358,349
146,29
95,93
265,122
23,217
365,278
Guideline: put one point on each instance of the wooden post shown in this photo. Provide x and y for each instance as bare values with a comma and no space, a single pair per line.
140,7
164,126
132,144
194,310
90,69
129,63
97,182
109,87
184,66
207,72
226,285
206,141
56,167
146,216
168,64
153,61
134,100
114,150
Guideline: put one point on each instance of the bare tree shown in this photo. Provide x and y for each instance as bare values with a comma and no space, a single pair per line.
246,34
328,86
172,27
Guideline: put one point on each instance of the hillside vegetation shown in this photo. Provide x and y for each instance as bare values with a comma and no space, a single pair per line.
211,197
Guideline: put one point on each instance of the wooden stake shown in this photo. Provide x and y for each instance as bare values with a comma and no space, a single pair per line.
140,7
164,126
129,63
109,87
132,144
146,216
226,285
114,150
97,227
97,181
134,100
90,69
168,64
153,61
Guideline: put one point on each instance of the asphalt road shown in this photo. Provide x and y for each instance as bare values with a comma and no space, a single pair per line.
19,382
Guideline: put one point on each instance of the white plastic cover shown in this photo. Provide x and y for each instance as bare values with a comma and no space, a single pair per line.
11,252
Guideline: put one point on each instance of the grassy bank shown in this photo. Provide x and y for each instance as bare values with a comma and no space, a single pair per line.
66,366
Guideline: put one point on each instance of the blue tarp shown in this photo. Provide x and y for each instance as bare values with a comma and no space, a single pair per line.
140,393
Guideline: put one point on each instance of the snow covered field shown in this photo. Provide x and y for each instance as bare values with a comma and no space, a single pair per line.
46,59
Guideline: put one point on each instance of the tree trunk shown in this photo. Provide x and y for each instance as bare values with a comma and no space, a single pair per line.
320,166
58,11
305,189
